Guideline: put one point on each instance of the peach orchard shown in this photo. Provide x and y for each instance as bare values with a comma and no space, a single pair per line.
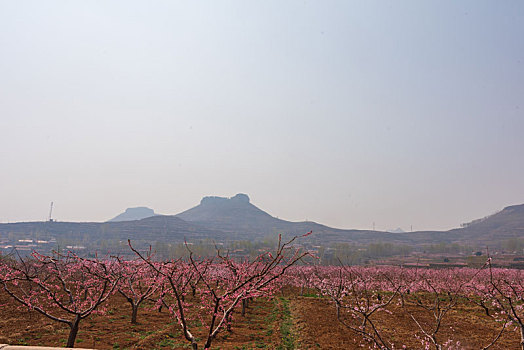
214,292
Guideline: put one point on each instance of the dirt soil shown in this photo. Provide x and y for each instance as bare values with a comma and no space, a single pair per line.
284,322
155,330
317,327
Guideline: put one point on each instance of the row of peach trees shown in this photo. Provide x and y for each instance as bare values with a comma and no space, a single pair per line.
360,293
68,288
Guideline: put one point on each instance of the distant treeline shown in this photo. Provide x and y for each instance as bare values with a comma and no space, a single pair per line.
329,254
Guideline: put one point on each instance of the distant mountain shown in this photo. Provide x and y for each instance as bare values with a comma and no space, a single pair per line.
490,231
162,228
236,218
493,229
131,214
242,220
397,230
235,215
158,228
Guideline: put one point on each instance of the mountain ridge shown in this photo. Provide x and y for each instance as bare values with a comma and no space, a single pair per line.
236,218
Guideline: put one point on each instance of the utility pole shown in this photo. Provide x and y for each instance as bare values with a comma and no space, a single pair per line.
50,219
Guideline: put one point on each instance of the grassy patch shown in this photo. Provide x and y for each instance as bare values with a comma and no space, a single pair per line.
260,345
288,341
22,341
168,342
145,334
312,295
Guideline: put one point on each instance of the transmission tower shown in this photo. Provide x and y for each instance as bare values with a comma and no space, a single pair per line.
50,219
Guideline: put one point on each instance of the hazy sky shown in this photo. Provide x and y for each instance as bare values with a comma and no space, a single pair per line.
346,113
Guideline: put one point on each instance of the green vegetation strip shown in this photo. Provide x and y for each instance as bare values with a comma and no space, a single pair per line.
288,341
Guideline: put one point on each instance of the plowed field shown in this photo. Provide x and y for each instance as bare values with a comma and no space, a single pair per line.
287,321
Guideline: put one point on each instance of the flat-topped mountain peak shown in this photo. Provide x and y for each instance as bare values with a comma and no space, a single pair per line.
214,200
213,208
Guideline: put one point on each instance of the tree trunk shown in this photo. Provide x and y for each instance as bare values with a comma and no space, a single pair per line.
228,321
134,313
522,336
244,306
437,345
73,332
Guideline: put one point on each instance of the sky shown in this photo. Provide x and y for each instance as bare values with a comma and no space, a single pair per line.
348,113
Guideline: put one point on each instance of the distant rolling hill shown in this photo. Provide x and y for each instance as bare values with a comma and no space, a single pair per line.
131,214
494,229
236,218
242,220
158,228
491,231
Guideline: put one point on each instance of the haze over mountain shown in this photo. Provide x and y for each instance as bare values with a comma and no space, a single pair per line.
345,113
504,225
235,215
243,220
397,230
134,214
158,228
236,218
239,218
